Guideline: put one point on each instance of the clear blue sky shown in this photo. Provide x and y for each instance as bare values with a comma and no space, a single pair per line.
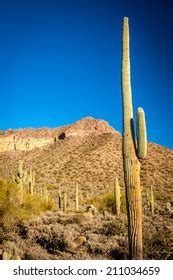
61,61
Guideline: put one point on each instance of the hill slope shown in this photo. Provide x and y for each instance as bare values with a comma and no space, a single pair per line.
90,153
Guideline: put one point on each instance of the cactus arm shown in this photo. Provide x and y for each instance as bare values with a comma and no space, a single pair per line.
141,133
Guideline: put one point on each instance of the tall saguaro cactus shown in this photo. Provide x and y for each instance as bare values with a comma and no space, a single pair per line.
131,155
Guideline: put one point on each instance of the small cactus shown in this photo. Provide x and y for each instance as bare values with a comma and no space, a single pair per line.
117,196
31,181
20,179
65,202
152,200
59,199
76,197
25,180
45,196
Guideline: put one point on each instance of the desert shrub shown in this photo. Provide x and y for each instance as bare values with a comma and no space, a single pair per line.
117,227
13,211
50,187
94,248
106,202
36,252
123,202
52,241
157,241
118,253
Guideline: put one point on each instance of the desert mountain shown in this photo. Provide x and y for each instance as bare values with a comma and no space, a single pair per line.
88,152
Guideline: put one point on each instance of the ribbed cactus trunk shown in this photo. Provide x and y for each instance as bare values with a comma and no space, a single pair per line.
130,160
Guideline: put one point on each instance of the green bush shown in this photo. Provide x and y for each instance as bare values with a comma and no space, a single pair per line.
13,211
107,202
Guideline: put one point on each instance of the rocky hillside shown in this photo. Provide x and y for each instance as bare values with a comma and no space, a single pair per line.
88,152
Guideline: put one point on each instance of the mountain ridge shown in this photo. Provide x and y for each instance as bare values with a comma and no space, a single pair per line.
88,152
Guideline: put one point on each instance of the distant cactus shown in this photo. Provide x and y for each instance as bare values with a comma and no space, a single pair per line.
76,197
59,199
148,198
31,181
20,178
152,200
45,196
131,163
25,180
117,196
65,202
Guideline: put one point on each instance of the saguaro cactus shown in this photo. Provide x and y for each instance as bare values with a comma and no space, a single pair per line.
65,202
45,196
31,181
151,200
117,196
76,197
131,163
21,178
59,199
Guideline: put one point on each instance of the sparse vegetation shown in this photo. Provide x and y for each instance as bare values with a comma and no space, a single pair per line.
91,161
13,211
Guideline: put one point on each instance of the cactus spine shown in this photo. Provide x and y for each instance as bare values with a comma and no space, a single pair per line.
76,197
117,196
131,162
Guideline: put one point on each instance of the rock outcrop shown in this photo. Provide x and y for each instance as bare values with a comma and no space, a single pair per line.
30,138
